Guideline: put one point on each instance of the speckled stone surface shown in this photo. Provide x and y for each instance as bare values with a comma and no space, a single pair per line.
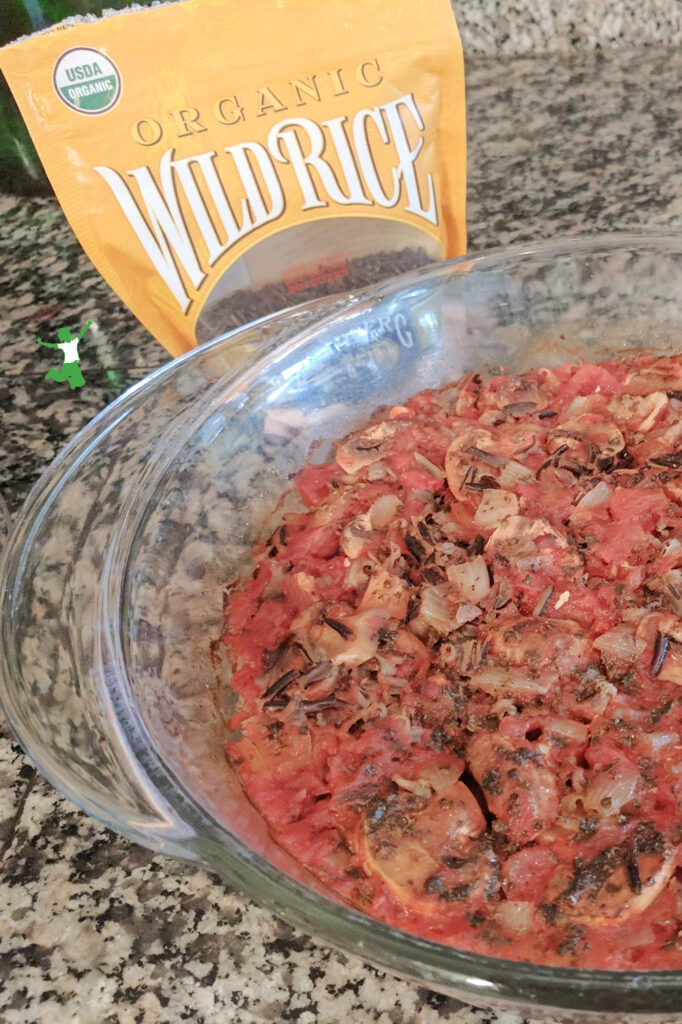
94,930
542,26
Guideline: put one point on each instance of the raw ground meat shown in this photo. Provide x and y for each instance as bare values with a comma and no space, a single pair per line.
460,669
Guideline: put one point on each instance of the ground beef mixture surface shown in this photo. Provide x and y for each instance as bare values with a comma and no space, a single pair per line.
460,669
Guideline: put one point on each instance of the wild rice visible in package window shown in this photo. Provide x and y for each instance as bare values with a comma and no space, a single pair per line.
221,160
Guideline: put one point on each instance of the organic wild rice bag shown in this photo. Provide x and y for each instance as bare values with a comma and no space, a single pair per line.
219,160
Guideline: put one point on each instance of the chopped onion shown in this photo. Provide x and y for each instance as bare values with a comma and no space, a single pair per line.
355,536
653,404
428,466
415,734
515,916
633,614
384,510
387,666
658,740
566,727
470,580
495,506
599,495
580,404
358,572
620,643
386,590
605,691
379,470
503,707
514,473
643,382
670,546
420,787
610,789
466,613
365,714
564,476
668,441
422,495
334,508
441,778
509,681
623,710
434,611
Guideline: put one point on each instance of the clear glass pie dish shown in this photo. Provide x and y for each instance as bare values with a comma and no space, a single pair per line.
114,573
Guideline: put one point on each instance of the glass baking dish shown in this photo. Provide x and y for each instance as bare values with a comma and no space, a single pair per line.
114,574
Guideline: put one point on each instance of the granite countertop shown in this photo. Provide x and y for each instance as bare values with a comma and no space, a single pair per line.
93,929
496,27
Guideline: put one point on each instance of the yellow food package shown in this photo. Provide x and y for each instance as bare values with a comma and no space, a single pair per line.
219,160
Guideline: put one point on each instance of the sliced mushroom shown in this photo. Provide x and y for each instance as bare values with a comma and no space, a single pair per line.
533,544
519,789
478,450
617,884
588,438
424,848
638,412
539,645
366,447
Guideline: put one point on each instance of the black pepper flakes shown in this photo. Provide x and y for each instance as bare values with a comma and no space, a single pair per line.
492,782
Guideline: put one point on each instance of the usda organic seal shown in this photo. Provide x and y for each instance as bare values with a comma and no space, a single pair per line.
87,80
